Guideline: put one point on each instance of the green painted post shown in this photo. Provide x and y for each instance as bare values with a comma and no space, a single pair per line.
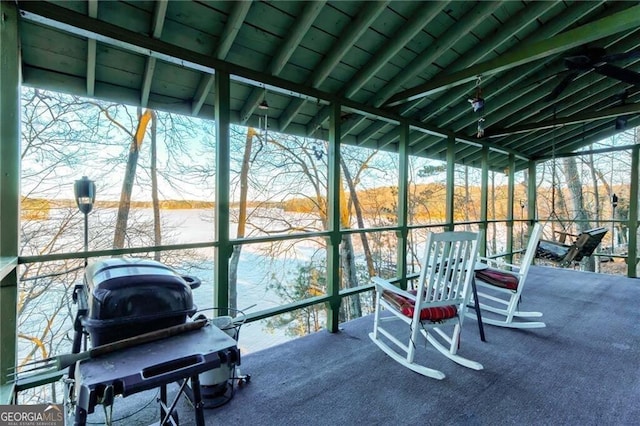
451,168
10,184
403,191
484,201
223,158
333,220
632,252
532,214
510,203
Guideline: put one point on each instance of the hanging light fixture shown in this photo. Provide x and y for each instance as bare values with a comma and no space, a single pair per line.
477,103
264,106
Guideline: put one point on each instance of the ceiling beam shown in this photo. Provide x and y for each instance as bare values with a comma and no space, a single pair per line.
91,52
64,19
583,88
493,43
541,140
618,22
590,98
585,102
159,13
507,80
519,103
420,18
560,122
228,36
477,14
596,136
500,91
370,131
578,138
458,30
505,83
589,94
280,59
347,40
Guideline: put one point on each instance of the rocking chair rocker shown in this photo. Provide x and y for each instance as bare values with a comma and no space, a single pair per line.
500,289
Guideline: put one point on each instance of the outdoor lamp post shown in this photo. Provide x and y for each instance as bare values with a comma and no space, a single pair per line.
85,192
614,204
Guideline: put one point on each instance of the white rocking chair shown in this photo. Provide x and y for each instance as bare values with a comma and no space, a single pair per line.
500,286
440,300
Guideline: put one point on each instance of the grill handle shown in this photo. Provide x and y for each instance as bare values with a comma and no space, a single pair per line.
193,282
146,338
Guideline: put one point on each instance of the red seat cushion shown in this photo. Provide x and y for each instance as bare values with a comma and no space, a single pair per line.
498,278
407,307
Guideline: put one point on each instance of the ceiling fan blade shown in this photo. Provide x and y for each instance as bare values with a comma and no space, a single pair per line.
618,73
561,86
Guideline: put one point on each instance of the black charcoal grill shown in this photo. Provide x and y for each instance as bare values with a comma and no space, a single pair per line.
129,297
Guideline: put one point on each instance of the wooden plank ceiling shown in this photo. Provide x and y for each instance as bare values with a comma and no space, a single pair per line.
554,76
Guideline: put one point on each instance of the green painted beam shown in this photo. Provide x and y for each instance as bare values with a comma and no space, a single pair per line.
403,205
471,19
505,82
223,173
91,51
575,112
618,22
333,220
563,121
493,43
159,13
484,201
83,26
280,59
450,196
9,183
589,91
510,203
347,39
376,127
420,18
632,252
228,36
532,196
592,98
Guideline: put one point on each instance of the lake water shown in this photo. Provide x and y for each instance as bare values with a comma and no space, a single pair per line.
255,271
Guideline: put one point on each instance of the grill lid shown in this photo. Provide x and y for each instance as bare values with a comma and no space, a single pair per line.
135,289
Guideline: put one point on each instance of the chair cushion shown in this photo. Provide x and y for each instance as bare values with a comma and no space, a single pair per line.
498,278
407,307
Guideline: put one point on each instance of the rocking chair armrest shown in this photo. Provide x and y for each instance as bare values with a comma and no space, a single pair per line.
386,285
488,260
493,263
510,268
